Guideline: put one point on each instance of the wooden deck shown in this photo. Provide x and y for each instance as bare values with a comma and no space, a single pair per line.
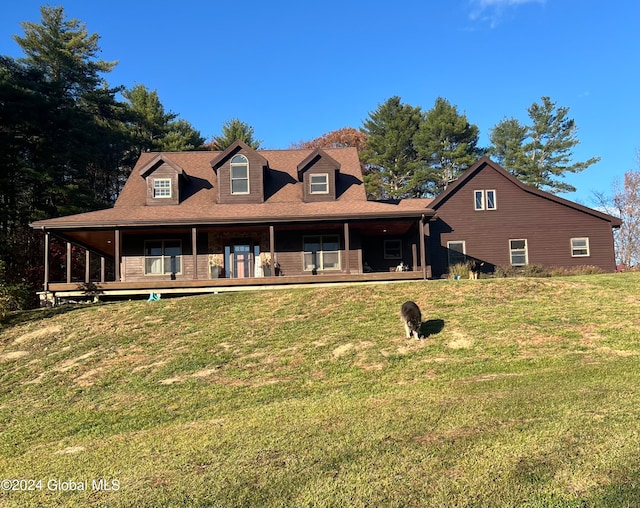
60,292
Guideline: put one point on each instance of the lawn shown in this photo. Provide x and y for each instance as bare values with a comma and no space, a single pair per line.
525,393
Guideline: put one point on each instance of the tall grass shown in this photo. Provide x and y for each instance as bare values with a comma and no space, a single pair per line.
525,393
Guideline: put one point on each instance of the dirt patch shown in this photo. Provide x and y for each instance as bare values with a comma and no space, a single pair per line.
13,355
342,350
72,450
38,334
74,362
87,379
460,341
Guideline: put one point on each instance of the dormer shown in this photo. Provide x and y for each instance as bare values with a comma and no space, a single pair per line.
240,174
164,179
318,174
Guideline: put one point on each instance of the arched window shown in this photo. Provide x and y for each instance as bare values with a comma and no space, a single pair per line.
239,175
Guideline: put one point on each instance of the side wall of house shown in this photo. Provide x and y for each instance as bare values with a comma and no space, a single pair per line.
547,227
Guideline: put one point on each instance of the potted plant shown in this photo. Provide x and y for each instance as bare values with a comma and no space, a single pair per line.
215,265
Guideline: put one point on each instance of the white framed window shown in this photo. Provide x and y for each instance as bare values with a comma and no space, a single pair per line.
484,200
239,175
491,200
393,249
319,183
162,187
478,200
457,252
580,247
518,252
321,252
162,257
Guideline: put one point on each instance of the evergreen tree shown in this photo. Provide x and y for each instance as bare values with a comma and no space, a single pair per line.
389,157
447,145
541,153
232,131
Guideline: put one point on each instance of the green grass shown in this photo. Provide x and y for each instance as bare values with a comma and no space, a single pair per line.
525,394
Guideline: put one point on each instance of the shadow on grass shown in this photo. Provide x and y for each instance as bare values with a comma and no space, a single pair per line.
431,327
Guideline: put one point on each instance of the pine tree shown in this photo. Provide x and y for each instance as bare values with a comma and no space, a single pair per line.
539,154
232,131
447,145
390,158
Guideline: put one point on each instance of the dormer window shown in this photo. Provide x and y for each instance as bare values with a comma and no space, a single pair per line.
162,188
239,175
319,183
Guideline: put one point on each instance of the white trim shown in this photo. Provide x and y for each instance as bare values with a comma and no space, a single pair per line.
585,247
232,165
325,183
495,199
450,250
162,188
475,200
513,251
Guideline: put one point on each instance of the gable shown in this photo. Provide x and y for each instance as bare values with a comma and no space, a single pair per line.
240,172
318,173
510,194
163,180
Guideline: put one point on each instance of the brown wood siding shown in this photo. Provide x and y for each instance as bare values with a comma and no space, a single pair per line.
164,171
256,180
547,226
321,167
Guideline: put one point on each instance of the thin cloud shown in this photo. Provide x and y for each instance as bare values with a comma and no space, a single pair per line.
493,11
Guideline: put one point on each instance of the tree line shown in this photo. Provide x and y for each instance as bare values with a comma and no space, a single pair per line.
68,139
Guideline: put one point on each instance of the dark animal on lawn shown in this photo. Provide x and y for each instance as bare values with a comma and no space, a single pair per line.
412,319
475,267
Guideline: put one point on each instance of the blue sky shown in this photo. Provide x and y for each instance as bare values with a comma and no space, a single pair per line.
295,70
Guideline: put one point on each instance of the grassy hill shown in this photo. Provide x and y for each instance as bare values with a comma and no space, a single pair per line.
525,393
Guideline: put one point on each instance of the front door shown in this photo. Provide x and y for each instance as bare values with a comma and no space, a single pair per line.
242,261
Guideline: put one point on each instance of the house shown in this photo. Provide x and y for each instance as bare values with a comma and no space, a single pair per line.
195,221
208,221
489,216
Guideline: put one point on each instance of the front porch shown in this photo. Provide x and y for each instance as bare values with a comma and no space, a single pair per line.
95,291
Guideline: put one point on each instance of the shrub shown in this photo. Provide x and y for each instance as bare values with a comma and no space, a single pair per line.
461,270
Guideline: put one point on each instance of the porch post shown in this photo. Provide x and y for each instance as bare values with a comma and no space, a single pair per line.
86,266
116,254
347,248
423,257
194,247
46,260
102,269
272,251
68,262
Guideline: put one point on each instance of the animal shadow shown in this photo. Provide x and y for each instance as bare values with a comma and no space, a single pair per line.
431,327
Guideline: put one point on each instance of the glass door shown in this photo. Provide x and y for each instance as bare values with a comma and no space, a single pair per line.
241,261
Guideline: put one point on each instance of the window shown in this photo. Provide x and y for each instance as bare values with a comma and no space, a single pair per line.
518,252
393,249
579,247
457,252
239,175
319,183
478,200
162,188
491,200
162,257
484,200
321,253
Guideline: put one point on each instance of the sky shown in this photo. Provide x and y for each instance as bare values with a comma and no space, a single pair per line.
294,70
